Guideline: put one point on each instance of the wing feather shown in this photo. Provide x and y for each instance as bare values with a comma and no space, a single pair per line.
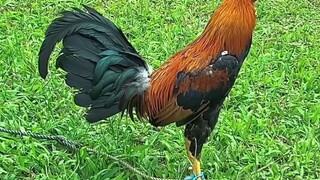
196,91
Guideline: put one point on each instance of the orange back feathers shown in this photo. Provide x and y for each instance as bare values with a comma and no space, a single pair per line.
230,28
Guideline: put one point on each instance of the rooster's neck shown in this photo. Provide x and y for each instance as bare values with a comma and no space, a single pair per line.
230,27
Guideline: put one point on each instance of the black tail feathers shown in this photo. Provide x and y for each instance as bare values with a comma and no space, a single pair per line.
99,61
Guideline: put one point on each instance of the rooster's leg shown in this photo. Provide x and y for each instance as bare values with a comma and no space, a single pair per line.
196,134
196,168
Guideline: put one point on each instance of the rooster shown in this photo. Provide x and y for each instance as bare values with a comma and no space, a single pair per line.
188,89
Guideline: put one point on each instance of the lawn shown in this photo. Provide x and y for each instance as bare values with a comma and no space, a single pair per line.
269,127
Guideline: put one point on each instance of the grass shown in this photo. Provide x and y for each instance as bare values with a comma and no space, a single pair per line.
269,127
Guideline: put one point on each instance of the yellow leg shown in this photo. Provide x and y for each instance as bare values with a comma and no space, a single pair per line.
196,168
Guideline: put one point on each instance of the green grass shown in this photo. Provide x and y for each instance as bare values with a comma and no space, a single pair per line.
269,127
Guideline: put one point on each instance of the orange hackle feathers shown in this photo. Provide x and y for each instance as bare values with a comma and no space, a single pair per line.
230,28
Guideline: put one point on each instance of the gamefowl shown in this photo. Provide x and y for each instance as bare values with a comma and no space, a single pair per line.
188,89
